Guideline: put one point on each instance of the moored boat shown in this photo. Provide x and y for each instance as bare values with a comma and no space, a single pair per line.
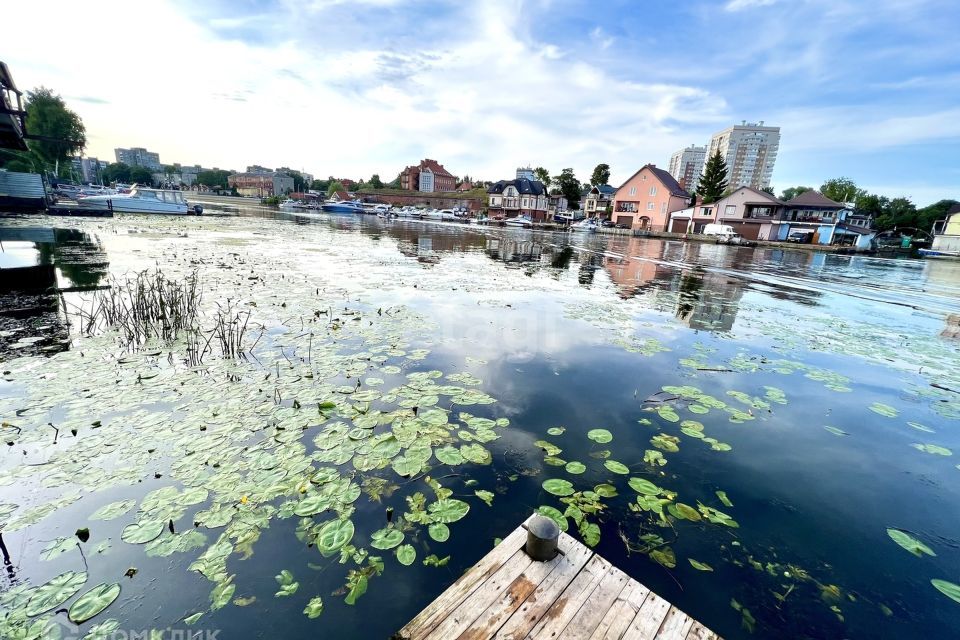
344,206
519,221
588,225
142,200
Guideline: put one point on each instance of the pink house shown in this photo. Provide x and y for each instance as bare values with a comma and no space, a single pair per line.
647,199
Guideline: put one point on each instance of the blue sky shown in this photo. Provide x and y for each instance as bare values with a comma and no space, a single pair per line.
355,87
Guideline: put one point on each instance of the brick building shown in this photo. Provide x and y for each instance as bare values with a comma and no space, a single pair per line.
428,176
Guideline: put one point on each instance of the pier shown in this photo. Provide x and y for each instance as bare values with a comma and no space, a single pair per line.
577,595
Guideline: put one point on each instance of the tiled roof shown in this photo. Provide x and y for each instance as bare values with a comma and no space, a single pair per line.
669,182
435,167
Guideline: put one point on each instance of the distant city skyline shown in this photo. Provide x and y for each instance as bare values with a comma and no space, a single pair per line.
857,91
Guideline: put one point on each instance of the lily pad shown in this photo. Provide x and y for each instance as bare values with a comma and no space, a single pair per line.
910,543
601,436
948,589
113,510
555,515
406,554
835,431
386,538
558,487
699,566
884,410
55,592
448,510
575,467
93,602
334,535
934,449
644,486
315,607
616,467
142,531
439,531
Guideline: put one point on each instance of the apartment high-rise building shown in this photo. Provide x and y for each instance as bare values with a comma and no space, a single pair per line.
686,166
750,150
139,157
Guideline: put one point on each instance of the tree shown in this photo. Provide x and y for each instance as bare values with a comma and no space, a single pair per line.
213,178
375,181
141,175
792,192
334,186
600,175
543,176
872,204
768,189
319,185
395,183
933,212
116,172
713,182
63,132
841,190
569,186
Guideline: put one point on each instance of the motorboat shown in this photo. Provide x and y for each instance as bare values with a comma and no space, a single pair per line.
934,253
142,200
288,204
519,221
589,225
344,206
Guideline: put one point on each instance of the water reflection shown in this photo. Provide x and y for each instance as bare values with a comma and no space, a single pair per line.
37,266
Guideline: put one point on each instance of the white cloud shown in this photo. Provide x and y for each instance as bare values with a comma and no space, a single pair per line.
600,38
740,5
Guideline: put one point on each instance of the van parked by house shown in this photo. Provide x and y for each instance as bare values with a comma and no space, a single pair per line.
723,230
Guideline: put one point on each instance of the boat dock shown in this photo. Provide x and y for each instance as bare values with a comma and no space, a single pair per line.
576,595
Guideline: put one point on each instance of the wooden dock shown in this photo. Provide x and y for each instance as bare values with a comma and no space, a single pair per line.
577,595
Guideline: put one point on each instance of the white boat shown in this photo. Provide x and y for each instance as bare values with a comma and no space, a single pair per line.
519,221
345,206
288,204
589,225
141,200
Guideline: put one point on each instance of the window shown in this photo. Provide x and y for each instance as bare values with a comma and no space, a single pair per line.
651,205
643,177
706,211
633,191
663,207
524,202
653,191
730,210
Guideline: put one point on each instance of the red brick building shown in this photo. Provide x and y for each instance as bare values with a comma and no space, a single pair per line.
427,176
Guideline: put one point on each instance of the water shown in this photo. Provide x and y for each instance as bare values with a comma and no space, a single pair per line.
572,331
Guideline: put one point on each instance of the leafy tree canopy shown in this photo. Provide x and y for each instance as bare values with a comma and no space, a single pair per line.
116,172
841,190
600,175
543,176
569,186
335,186
64,133
375,181
213,178
792,192
141,175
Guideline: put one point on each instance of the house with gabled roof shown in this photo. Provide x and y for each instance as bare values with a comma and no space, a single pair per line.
596,201
647,199
752,213
512,198
428,176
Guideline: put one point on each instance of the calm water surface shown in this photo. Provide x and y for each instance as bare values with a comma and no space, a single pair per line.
582,332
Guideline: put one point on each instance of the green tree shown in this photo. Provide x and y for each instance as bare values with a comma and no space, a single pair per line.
872,204
792,192
768,189
335,186
394,184
933,212
543,176
376,182
62,130
600,175
358,185
569,186
899,212
841,190
141,175
713,182
116,172
213,178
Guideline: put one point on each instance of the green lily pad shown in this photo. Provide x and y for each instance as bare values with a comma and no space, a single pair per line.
601,436
558,487
948,589
835,431
616,467
486,496
315,607
884,410
555,515
605,490
910,543
688,512
439,531
55,592
406,554
334,535
722,495
449,455
934,449
386,538
448,510
575,467
93,602
699,566
113,510
644,486
556,431
142,531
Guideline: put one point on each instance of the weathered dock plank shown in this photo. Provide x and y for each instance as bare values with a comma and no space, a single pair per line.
577,595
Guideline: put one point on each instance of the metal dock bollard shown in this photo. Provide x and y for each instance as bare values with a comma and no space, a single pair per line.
542,536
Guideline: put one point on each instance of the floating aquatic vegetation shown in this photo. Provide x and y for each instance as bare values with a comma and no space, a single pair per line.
949,589
884,410
836,431
910,543
699,566
93,602
934,449
601,436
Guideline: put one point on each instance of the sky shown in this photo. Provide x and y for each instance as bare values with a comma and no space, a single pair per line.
349,88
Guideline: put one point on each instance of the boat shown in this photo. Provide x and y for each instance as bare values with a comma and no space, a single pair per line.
143,200
589,225
345,206
934,253
288,204
519,221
